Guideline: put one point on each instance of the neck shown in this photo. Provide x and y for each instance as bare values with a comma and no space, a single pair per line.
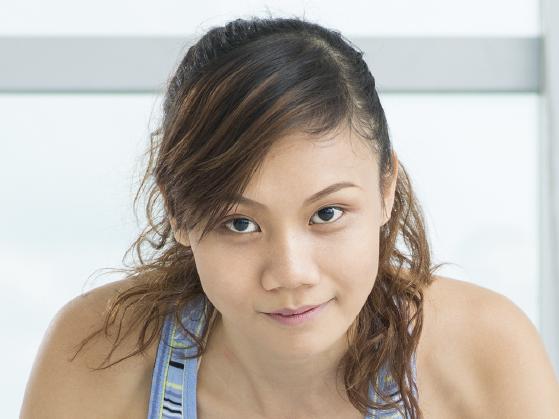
270,383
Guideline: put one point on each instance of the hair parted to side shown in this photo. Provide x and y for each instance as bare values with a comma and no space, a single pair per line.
240,88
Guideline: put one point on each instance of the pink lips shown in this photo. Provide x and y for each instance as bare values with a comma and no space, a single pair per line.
289,312
298,319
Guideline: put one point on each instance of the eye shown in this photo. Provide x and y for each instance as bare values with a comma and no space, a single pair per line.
326,214
239,223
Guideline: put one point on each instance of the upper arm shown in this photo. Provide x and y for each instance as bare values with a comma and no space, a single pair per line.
515,373
53,386
59,387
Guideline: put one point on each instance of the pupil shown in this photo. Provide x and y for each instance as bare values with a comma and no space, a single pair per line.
329,211
240,221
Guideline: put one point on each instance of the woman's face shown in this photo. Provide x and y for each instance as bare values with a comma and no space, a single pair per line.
289,251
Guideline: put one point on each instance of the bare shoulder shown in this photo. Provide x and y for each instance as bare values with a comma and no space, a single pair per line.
480,356
62,387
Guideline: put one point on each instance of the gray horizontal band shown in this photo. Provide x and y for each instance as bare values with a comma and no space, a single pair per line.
143,64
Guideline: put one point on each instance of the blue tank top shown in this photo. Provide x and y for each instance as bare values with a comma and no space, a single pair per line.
173,387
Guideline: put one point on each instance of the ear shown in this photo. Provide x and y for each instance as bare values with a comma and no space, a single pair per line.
180,236
391,190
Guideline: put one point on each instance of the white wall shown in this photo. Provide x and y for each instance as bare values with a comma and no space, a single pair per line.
354,17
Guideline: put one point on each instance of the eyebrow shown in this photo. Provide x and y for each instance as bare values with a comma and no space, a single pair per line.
238,199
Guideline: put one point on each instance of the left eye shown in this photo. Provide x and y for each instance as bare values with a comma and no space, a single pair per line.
326,213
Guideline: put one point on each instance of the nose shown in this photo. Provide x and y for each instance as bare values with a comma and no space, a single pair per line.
291,262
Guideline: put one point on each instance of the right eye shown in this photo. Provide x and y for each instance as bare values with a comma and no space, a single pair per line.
238,223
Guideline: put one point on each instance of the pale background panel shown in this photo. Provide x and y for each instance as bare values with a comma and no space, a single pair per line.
70,163
66,170
352,17
474,163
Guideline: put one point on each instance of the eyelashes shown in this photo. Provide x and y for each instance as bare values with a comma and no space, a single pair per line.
245,221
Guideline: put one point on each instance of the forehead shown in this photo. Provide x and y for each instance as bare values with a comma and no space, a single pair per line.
299,159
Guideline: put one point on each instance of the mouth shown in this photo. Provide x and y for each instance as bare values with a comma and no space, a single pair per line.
304,315
300,310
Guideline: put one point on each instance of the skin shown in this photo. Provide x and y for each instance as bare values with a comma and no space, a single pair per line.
290,255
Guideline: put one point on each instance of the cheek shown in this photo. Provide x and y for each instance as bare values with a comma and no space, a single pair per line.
357,271
225,282
354,268
357,253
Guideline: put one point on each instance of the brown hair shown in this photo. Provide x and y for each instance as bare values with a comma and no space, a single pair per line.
238,89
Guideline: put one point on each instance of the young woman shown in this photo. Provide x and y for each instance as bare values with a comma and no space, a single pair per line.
291,274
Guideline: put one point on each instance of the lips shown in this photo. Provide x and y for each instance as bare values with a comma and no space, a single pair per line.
290,312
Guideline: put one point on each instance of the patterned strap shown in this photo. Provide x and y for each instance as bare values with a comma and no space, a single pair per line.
169,396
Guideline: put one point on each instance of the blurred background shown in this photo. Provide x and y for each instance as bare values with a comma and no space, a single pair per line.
470,91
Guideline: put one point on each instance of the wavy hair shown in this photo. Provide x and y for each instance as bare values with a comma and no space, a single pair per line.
238,89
